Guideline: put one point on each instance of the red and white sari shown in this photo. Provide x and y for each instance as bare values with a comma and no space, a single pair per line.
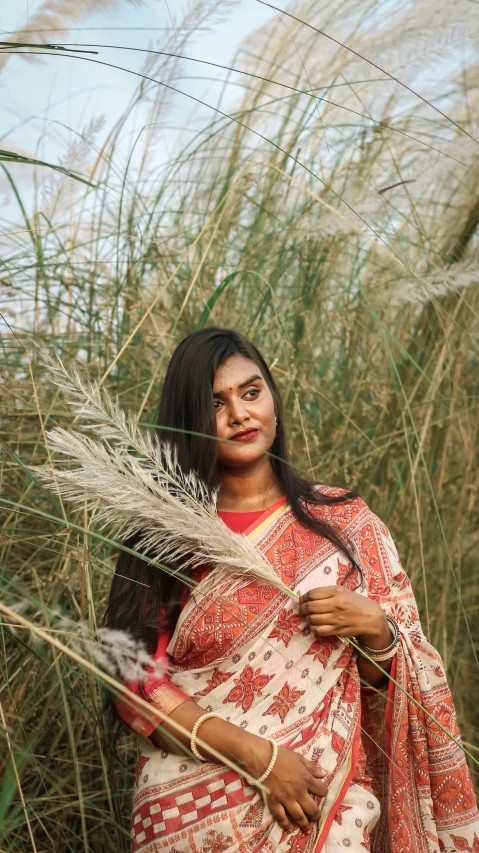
396,782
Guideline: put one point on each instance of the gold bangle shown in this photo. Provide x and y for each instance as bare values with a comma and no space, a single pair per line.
194,731
271,763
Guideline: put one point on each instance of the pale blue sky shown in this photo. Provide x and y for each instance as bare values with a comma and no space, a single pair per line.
45,105
40,100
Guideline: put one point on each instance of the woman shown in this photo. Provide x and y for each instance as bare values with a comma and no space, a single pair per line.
273,686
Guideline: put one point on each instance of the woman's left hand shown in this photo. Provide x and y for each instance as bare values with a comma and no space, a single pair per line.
334,610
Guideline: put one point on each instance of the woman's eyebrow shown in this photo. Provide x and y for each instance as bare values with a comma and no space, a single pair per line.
250,380
241,385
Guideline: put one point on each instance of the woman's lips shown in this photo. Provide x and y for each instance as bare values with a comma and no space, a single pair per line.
248,435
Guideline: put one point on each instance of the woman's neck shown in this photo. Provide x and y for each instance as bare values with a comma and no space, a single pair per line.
250,489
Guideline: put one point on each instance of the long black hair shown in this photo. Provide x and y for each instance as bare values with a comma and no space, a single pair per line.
141,592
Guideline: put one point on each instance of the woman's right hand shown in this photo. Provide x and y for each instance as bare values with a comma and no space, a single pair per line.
291,783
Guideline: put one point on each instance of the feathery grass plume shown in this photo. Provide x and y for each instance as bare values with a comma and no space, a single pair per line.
120,654
148,494
52,16
116,652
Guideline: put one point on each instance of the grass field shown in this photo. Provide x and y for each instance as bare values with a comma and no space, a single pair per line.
331,216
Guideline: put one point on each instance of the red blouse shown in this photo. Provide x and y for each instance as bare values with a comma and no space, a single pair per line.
160,691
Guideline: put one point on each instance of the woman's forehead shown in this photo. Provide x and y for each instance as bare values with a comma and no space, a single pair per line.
236,370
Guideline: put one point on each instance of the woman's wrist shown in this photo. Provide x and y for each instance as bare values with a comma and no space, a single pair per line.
254,754
251,752
378,634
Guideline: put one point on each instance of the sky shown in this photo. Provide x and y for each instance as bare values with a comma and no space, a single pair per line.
48,104
45,103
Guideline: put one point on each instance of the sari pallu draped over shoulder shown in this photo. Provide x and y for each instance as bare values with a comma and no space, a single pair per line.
396,782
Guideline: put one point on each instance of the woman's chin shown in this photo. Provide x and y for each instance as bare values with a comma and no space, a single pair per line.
244,455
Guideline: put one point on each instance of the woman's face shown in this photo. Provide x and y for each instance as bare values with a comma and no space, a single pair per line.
244,404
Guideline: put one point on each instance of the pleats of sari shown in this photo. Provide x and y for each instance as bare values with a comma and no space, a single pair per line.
354,822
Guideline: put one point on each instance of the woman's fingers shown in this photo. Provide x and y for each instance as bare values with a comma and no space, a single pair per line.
315,783
319,594
294,802
317,786
297,814
314,769
325,606
281,817
327,630
310,807
321,618
323,624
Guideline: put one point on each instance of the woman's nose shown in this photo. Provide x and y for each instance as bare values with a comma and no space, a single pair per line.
237,411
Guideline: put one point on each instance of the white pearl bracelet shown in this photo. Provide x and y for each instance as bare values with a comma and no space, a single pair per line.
271,763
200,757
194,731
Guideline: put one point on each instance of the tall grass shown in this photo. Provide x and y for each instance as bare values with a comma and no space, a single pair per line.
331,215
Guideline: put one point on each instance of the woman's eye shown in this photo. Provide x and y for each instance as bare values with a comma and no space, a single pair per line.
253,391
